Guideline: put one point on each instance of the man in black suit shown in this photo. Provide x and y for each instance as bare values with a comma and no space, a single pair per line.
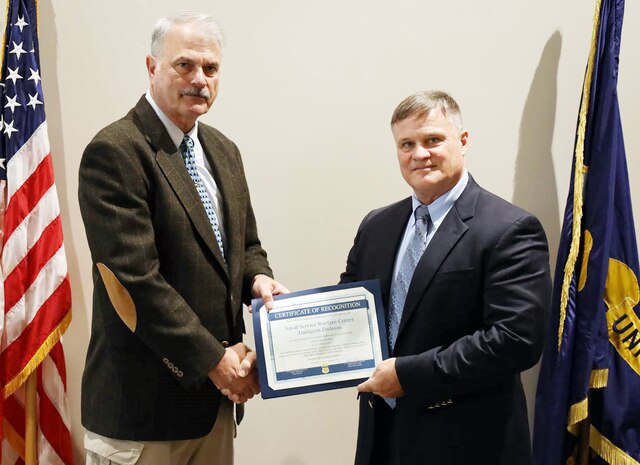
176,252
465,281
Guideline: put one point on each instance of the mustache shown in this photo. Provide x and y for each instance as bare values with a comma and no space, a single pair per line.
195,92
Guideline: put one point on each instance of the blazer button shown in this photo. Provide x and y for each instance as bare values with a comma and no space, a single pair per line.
225,343
179,374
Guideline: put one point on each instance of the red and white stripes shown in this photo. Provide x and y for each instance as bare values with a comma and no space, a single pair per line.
36,298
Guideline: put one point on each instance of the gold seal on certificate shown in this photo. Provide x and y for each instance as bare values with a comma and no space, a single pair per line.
319,339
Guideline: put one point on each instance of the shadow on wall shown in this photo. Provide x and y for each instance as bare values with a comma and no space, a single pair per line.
535,180
535,187
75,347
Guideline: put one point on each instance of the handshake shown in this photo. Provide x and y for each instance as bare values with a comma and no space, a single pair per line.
235,375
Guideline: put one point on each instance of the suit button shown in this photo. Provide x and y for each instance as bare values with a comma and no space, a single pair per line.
179,374
225,343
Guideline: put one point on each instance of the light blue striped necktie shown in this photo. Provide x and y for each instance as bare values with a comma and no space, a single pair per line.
189,156
415,249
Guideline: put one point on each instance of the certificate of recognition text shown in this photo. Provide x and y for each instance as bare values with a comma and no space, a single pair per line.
319,338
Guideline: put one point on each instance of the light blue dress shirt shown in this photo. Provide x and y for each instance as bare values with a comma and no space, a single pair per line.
438,210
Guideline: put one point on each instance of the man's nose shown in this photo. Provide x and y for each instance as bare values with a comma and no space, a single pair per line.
199,78
421,152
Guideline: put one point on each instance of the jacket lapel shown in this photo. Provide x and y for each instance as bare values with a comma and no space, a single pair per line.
387,247
171,164
445,239
218,159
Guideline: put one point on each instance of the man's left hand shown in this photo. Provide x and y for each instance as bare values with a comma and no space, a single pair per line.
265,288
384,381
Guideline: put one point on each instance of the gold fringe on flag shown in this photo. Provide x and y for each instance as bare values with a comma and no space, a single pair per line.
580,410
53,338
577,413
599,379
607,450
578,179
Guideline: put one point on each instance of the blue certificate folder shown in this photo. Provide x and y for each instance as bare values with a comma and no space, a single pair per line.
311,319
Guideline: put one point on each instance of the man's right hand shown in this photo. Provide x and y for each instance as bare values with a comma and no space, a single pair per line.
235,376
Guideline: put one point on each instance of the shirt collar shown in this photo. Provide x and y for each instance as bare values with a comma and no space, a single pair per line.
175,133
441,206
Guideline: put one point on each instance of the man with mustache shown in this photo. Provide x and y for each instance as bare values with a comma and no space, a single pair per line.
466,285
176,252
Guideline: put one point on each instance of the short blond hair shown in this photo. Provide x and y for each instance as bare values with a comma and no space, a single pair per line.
423,103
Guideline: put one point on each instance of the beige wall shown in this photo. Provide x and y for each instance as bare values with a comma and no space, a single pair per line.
307,91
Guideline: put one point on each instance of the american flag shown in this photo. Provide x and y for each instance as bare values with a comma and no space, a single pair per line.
35,294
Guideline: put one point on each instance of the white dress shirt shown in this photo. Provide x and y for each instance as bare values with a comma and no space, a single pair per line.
202,164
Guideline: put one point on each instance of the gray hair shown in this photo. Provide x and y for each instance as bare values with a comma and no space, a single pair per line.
202,21
423,103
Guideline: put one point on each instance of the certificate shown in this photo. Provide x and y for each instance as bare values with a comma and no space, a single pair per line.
319,339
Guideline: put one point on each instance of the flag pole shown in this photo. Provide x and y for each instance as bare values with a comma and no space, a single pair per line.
31,420
31,406
583,456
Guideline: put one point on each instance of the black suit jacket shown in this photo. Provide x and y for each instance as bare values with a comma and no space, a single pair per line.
165,305
473,319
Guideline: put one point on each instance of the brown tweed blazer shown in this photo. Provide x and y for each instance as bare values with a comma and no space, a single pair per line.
164,303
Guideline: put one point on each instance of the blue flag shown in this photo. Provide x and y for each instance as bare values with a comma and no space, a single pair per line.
591,365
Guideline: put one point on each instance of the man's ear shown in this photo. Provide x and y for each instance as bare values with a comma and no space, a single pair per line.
464,140
151,65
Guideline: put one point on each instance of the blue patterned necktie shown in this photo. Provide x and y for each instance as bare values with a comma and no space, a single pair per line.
189,156
415,249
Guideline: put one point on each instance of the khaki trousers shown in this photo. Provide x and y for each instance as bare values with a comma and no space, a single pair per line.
216,448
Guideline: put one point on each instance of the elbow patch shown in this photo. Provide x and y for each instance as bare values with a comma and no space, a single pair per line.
119,297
